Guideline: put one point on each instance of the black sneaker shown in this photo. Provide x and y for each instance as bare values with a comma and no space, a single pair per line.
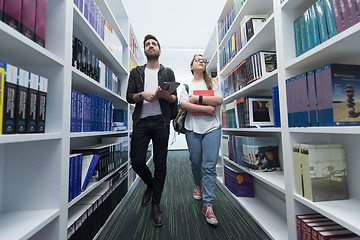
146,197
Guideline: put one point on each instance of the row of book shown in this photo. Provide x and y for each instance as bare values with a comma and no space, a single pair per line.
90,113
322,21
101,26
251,112
134,48
92,163
86,62
256,66
249,26
320,171
90,213
227,21
23,97
238,182
253,153
27,17
315,226
326,96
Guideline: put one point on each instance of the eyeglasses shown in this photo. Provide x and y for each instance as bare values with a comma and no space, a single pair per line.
200,60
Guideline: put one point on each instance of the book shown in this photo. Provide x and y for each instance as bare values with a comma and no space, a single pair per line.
297,169
337,88
321,228
314,27
302,115
268,62
40,22
253,25
244,38
338,16
41,104
311,95
9,99
276,106
324,172
297,36
1,9
327,235
330,17
299,219
345,13
321,20
305,222
89,163
353,11
260,111
12,13
239,183
202,93
21,101
2,86
31,103
27,25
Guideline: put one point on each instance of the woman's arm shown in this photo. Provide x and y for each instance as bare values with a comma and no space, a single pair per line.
207,100
192,107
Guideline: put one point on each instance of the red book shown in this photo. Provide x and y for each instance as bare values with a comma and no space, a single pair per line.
1,9
202,93
28,18
12,13
40,22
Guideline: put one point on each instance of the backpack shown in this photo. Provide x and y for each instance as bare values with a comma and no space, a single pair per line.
179,121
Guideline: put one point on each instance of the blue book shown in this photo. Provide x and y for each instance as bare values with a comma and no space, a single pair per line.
276,106
71,178
321,20
330,18
303,34
89,163
297,36
79,112
314,27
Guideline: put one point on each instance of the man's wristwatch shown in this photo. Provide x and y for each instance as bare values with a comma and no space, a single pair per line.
141,96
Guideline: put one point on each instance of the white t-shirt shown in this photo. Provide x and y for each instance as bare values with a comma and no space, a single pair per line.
150,85
201,124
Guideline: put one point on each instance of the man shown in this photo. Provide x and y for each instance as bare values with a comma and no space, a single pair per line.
151,120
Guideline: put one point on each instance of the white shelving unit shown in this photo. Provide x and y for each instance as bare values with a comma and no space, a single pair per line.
276,204
34,170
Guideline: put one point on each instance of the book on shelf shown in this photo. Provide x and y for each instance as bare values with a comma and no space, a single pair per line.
238,182
21,101
253,26
353,11
324,174
335,5
244,37
230,115
311,96
321,20
331,21
202,93
337,88
2,86
300,218
314,234
27,24
260,111
345,13
1,9
40,22
12,13
314,27
75,172
340,234
89,163
297,169
9,99
31,103
41,104
268,62
276,106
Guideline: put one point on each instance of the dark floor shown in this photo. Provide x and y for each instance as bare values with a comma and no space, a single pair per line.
183,217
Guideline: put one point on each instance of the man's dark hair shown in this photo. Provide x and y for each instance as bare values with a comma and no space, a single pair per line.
149,36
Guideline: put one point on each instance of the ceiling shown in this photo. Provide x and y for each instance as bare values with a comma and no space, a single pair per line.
183,28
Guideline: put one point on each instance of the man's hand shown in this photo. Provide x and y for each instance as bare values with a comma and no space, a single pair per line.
148,96
165,94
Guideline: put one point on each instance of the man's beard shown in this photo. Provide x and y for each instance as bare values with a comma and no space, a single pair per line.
152,56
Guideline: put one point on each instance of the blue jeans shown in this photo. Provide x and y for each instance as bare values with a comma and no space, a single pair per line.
204,154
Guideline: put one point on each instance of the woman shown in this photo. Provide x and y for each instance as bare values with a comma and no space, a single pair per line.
203,132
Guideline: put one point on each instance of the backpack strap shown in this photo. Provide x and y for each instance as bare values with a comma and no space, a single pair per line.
187,88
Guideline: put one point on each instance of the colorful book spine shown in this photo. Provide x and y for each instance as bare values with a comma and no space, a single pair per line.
276,106
314,28
2,86
21,101
303,34
9,99
297,35
345,13
28,15
31,108
12,13
321,20
40,22
338,16
331,21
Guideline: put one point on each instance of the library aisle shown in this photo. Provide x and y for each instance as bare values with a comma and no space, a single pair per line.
183,217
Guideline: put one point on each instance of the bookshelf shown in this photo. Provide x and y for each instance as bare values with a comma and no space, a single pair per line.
275,191
34,168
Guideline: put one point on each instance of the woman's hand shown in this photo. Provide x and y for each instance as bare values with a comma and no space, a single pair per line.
210,110
193,99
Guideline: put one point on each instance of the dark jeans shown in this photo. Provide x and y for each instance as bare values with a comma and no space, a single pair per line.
153,128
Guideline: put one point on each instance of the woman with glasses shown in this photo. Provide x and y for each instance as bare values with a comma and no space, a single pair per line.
203,132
